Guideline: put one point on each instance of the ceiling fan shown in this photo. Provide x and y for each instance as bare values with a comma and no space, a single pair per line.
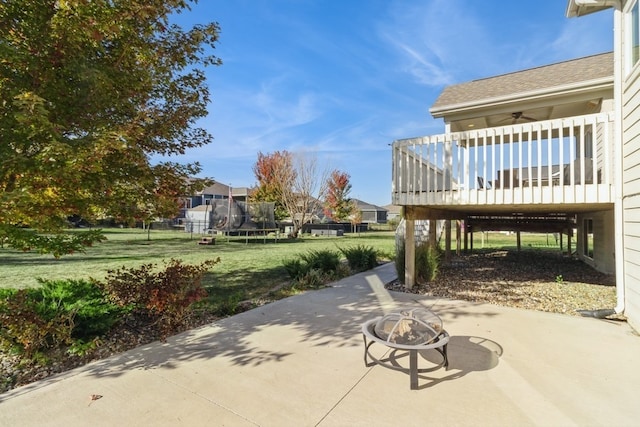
515,117
518,115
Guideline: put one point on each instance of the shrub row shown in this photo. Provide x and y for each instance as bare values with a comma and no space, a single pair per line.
73,313
314,268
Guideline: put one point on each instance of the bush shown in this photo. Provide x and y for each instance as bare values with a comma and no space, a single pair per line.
360,258
59,313
427,261
230,305
87,304
324,260
313,269
27,330
166,296
313,279
68,312
296,268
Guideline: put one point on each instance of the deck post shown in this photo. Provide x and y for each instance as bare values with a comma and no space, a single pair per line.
447,241
433,232
458,238
518,241
466,236
409,253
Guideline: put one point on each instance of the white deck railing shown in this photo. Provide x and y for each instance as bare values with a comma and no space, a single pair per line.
563,161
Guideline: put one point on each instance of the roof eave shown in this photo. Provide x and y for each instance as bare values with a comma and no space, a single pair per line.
585,7
591,85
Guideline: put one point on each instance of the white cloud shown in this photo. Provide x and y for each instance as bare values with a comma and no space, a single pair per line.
436,40
444,42
584,36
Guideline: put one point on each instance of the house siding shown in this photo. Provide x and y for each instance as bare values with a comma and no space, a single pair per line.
603,241
631,195
604,159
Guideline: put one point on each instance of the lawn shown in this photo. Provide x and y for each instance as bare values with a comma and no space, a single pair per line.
497,240
248,268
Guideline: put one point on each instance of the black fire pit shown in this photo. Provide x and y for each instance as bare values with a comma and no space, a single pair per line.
409,331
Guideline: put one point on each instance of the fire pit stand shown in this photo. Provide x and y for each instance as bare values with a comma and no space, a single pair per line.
438,342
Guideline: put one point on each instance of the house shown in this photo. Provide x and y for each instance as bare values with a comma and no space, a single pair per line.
533,150
552,148
393,212
527,151
371,214
626,72
210,209
215,191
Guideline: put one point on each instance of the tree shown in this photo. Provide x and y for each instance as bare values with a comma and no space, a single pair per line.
337,204
294,181
90,91
355,217
273,171
309,188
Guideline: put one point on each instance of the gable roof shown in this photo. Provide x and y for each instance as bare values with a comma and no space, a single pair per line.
393,209
364,206
217,188
568,74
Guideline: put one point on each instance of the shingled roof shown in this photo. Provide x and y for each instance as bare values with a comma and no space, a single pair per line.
561,74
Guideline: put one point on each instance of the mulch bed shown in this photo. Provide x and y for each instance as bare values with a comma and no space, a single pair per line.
531,279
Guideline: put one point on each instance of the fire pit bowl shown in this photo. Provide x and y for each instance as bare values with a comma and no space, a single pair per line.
409,331
414,327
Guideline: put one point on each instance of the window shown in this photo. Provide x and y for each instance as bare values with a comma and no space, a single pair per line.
632,50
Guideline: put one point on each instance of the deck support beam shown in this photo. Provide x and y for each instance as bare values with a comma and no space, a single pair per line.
409,253
433,225
447,241
466,237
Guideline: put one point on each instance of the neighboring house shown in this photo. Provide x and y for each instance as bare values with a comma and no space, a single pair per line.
626,62
197,209
393,212
371,214
215,191
220,208
532,150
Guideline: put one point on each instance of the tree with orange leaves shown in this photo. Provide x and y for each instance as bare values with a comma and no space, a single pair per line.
337,204
294,182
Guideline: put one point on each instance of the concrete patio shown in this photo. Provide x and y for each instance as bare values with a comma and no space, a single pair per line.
299,362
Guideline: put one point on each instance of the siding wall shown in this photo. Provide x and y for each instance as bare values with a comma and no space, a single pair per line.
603,241
602,166
631,195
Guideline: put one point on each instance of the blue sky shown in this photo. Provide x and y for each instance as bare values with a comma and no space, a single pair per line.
343,79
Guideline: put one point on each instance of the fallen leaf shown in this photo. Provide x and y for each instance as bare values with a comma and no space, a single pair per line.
93,397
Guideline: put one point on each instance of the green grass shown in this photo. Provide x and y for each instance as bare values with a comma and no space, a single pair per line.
495,240
247,269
